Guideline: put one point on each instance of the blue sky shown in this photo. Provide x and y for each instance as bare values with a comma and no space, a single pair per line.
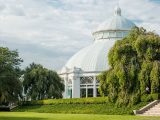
49,32
156,1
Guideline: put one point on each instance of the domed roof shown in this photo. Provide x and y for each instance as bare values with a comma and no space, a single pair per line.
94,57
117,22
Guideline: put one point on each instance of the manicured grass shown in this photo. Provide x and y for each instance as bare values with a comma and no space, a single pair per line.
49,116
106,108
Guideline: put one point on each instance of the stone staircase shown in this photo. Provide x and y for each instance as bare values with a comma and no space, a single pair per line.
152,109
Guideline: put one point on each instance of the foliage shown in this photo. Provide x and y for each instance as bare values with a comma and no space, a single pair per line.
10,85
98,100
150,97
99,105
81,108
41,83
135,68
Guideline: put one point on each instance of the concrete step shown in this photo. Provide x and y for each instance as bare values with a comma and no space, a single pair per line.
151,112
154,108
154,111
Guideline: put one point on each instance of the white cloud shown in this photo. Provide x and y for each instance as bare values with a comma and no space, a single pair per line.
50,31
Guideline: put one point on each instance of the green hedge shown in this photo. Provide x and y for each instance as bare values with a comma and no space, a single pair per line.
150,97
98,100
105,108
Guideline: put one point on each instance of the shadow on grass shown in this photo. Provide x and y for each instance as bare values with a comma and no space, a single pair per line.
21,118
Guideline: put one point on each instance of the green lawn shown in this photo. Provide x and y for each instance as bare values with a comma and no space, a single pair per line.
50,116
107,108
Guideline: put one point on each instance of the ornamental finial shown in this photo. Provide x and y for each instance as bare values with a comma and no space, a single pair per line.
117,10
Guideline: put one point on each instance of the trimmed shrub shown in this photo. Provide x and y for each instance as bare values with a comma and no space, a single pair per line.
105,108
155,96
98,100
146,98
150,97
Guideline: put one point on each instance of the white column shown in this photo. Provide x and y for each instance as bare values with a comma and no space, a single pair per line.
66,86
94,87
86,91
76,87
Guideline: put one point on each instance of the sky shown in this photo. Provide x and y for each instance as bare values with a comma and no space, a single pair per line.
49,32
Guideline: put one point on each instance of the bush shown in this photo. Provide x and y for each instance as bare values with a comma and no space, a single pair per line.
155,96
146,98
105,108
150,97
98,100
135,99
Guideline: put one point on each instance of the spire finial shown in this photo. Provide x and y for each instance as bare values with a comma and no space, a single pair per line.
117,10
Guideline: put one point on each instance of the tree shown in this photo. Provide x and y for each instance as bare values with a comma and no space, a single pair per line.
135,68
41,83
10,84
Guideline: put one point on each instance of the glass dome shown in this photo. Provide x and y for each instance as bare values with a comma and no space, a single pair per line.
93,58
118,27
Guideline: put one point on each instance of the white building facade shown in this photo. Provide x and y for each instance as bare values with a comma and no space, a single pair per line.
80,72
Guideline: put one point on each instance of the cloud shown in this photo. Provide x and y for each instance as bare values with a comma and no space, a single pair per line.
49,32
143,12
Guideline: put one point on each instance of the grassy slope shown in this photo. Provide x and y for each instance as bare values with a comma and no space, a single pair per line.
48,116
106,108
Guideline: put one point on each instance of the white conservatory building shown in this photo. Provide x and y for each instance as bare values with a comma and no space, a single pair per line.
79,73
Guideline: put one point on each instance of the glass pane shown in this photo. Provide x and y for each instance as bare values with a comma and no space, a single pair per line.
83,92
106,35
112,34
86,80
69,93
119,34
90,92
